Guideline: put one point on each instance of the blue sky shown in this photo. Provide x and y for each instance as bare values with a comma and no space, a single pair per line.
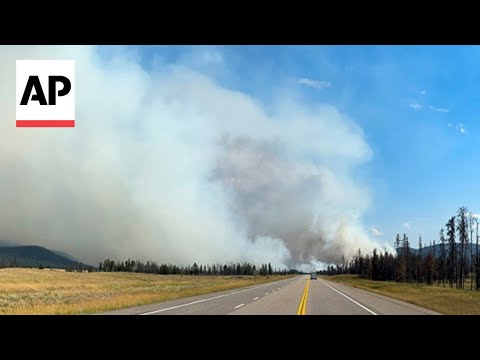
417,105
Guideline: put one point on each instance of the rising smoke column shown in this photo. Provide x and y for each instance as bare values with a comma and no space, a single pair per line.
168,165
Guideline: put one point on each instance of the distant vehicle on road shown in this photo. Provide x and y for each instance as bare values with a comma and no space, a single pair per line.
313,276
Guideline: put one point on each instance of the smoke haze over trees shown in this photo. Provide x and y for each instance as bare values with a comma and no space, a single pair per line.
151,267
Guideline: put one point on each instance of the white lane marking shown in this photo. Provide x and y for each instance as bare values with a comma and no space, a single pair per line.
239,306
255,298
349,298
278,288
207,299
266,293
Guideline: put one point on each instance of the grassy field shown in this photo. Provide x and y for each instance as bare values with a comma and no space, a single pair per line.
34,291
444,300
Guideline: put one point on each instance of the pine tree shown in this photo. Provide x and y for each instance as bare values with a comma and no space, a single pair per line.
195,269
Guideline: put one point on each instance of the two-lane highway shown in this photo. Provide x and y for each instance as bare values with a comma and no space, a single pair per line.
294,296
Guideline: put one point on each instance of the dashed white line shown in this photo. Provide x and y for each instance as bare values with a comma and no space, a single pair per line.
203,300
256,298
239,306
349,298
266,293
278,288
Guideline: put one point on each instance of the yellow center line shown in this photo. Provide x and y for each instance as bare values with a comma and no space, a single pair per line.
302,307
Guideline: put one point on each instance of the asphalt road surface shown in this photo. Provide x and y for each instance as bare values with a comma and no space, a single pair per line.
294,296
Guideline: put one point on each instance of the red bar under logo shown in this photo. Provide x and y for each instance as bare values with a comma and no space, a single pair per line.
45,123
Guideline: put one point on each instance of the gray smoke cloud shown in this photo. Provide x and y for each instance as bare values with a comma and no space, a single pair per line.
171,166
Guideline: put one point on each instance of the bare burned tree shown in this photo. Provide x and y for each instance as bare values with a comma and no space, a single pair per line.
471,220
477,259
462,228
443,258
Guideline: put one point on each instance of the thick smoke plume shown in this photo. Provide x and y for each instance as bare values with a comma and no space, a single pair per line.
169,165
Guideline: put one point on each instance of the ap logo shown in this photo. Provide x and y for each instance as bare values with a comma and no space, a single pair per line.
45,93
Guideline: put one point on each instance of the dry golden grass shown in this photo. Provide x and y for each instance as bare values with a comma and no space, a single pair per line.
34,291
444,300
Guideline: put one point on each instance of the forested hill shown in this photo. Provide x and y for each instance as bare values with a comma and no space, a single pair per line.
36,256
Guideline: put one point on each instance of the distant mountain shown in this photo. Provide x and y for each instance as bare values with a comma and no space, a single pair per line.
36,256
436,250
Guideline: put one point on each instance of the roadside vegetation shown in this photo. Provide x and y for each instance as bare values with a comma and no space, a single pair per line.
445,300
